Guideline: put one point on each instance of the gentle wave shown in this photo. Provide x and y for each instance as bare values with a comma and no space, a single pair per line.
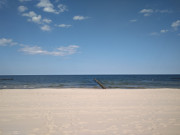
87,81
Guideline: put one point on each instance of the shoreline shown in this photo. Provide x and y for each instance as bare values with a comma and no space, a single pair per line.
75,111
90,81
92,89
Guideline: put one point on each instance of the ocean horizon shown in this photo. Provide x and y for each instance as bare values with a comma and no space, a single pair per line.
128,81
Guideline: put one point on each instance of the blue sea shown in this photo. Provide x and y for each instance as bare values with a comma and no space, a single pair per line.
87,81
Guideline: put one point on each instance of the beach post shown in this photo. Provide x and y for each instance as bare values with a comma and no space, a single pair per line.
100,84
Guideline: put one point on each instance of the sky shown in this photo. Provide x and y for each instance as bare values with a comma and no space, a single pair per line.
67,37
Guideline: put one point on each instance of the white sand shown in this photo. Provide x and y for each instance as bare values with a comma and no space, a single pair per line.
90,112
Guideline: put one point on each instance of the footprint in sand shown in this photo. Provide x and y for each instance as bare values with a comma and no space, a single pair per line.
36,129
50,124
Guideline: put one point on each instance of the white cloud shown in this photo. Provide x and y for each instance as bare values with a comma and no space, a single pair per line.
22,8
179,34
61,51
133,20
32,50
64,25
146,12
79,17
62,8
49,7
175,24
46,5
46,28
24,0
69,50
36,19
47,20
6,42
164,31
30,14
154,34
33,17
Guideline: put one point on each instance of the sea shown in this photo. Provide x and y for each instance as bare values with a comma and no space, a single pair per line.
88,81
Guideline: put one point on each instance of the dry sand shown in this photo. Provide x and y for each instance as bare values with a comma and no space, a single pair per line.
90,112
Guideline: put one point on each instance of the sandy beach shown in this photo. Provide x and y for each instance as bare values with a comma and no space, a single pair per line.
90,112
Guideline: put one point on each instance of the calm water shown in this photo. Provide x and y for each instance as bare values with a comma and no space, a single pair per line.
87,81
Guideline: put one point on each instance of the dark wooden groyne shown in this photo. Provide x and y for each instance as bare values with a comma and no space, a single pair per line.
100,84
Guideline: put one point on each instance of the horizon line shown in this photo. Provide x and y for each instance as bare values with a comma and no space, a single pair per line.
81,74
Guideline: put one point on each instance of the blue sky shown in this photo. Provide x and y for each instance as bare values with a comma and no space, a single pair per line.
89,37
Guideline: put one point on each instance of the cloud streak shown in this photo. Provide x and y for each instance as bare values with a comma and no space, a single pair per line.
49,7
146,12
33,17
63,25
22,8
46,28
61,51
149,12
37,50
133,20
7,42
79,18
154,34
176,24
164,31
47,20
